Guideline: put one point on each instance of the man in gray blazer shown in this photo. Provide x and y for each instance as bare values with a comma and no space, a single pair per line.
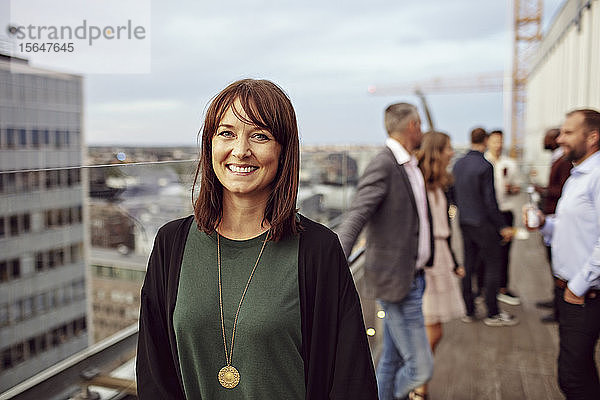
391,203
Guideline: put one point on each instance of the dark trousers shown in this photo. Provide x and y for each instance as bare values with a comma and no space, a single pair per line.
554,302
480,276
482,242
505,260
578,329
505,247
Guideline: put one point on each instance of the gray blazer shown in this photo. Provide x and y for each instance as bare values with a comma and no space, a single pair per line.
385,205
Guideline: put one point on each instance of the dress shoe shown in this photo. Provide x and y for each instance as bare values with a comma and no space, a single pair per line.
545,304
548,319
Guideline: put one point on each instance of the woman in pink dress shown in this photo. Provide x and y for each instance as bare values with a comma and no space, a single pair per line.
442,300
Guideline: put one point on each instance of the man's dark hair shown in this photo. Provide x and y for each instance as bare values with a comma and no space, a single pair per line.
550,139
496,132
591,120
553,133
478,136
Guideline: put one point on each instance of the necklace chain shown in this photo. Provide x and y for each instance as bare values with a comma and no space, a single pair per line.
229,357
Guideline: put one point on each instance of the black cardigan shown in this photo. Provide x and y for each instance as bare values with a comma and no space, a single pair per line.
335,350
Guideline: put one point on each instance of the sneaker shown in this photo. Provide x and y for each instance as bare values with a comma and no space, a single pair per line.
467,319
501,319
508,298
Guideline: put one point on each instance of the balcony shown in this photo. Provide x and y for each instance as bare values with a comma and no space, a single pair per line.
127,205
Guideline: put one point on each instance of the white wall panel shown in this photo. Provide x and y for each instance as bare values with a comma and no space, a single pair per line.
567,75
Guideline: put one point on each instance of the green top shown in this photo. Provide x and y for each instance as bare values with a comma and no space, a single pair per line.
268,336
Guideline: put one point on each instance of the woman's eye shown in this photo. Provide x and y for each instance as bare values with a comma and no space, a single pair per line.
225,133
261,136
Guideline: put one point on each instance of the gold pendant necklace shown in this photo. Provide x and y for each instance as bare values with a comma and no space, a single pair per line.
228,376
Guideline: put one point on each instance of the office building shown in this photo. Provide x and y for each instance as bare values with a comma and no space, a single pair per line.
42,252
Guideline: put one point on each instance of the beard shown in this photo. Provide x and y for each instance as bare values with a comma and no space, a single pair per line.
574,154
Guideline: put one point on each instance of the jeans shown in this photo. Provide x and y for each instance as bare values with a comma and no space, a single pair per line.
579,327
482,243
406,360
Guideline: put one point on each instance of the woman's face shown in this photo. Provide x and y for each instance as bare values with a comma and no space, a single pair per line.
245,158
447,154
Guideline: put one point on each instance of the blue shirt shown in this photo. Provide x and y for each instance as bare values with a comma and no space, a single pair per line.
574,231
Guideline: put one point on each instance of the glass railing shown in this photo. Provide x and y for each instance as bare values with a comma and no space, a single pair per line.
74,244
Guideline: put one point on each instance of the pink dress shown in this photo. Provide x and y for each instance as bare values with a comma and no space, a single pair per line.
442,300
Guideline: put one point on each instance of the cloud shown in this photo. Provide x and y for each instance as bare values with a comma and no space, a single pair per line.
137,106
324,54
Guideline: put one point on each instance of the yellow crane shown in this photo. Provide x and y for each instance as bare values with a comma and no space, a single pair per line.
527,34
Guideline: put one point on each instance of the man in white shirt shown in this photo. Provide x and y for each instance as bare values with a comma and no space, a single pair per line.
507,183
574,233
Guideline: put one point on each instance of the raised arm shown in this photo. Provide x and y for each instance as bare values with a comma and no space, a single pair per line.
372,189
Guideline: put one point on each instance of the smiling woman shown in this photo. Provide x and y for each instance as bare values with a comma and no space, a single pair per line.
251,123
245,159
235,296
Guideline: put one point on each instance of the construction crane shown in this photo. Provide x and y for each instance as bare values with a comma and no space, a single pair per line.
527,30
486,82
483,83
527,34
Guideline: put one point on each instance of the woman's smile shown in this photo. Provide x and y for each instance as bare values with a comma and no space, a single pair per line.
245,157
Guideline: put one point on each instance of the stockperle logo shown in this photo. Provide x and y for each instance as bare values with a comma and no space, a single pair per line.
85,31
82,36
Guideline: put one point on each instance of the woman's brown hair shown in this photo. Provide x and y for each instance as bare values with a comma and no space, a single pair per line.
268,108
429,156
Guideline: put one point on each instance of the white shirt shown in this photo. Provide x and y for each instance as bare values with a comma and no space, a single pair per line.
417,183
574,230
506,172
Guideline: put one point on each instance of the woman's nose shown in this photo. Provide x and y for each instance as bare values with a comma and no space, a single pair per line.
241,148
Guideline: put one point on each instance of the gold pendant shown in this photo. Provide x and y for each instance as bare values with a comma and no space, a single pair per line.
229,377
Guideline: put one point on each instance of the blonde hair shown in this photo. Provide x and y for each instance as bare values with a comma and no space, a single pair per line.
429,156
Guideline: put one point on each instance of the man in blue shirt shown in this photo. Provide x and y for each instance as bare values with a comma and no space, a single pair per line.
574,233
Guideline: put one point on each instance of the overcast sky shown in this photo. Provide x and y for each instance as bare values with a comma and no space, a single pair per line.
323,54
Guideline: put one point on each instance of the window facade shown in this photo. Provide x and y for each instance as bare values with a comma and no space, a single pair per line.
22,309
32,346
30,181
57,257
14,137
10,269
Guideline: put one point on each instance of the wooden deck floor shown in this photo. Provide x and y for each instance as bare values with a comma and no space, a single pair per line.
477,362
